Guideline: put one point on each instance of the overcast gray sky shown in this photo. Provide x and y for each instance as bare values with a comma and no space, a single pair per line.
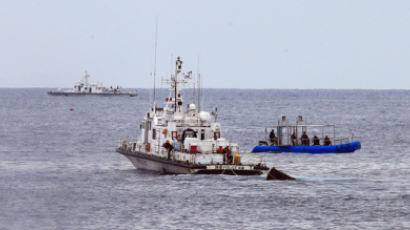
242,44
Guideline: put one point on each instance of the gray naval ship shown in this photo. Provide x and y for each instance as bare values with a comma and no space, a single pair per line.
83,87
175,140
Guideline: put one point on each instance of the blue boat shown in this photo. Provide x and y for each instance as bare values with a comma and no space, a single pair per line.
294,138
315,149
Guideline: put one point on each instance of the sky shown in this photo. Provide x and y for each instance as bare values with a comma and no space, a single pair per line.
279,44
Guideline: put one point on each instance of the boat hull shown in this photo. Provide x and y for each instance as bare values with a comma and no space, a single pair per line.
149,162
318,149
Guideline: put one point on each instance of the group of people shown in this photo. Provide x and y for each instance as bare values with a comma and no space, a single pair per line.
304,139
226,151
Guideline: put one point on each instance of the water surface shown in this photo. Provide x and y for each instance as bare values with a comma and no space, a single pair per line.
59,168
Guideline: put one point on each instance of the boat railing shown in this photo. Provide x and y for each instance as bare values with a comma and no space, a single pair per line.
123,143
285,132
341,140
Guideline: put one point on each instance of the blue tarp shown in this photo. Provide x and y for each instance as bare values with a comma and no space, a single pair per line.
316,149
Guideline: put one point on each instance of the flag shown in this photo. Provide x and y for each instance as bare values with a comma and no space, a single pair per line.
188,75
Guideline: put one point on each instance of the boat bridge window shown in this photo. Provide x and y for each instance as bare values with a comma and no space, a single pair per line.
188,133
174,135
202,134
154,134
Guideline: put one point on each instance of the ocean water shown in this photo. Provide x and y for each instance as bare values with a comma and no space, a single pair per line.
59,168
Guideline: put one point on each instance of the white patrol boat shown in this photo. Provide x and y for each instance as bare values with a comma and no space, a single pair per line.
83,87
178,141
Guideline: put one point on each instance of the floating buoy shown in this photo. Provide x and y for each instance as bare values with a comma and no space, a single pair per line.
71,109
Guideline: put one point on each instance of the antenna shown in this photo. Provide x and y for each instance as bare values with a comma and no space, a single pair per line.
86,76
199,88
155,58
171,69
193,89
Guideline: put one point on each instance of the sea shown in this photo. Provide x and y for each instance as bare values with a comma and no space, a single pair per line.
59,168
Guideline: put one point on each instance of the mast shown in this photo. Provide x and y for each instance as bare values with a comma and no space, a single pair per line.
155,59
178,64
199,88
86,76
194,89
174,99
175,92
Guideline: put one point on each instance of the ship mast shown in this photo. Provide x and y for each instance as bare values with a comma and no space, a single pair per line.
175,100
155,60
199,88
177,71
86,76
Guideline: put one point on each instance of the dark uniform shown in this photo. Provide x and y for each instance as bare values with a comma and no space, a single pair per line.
229,156
168,146
327,141
272,137
305,139
316,140
293,138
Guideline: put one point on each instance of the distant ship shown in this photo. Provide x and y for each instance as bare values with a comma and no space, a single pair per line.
82,87
175,140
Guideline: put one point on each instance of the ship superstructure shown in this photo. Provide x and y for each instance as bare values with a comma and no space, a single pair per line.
179,138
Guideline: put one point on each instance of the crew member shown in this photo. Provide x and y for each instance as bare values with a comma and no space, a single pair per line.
293,138
220,150
316,140
327,141
229,156
169,147
175,144
305,139
226,150
272,137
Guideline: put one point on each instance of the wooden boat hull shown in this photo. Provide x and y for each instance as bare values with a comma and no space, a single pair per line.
317,149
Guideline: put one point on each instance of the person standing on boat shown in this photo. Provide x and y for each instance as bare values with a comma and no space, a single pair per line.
229,157
316,140
327,141
226,150
272,137
305,139
175,144
293,139
169,147
220,150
